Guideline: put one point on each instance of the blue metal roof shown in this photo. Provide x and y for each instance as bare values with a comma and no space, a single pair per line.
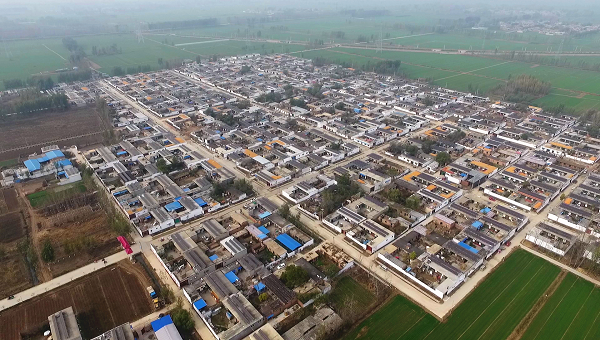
231,277
288,242
265,214
264,230
63,163
477,224
468,247
200,202
54,154
199,304
160,323
262,236
173,206
213,257
32,165
259,286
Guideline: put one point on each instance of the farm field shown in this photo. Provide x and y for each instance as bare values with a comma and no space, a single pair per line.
41,129
571,313
14,273
102,300
574,88
492,310
40,198
348,287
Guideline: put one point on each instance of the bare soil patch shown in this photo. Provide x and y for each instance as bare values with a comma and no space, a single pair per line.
50,127
102,300
12,227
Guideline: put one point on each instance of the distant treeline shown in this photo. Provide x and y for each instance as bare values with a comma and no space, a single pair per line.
32,101
383,67
121,71
46,82
365,13
522,89
183,24
552,61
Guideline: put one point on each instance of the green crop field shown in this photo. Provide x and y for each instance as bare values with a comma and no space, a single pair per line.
575,88
347,287
491,311
40,198
571,313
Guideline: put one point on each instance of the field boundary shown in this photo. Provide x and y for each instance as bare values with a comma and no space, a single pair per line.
492,270
539,304
556,307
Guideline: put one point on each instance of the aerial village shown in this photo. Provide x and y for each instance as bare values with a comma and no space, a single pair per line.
235,173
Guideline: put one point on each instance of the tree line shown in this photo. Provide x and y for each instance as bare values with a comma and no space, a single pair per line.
31,102
522,89
183,24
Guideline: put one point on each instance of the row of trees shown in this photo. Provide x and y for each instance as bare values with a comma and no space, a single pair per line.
31,104
109,50
183,24
121,71
522,89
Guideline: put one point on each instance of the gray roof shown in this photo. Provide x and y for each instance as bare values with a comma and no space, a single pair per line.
215,229
375,228
219,284
250,262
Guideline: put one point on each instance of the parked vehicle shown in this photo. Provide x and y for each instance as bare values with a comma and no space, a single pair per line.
280,266
492,199
11,297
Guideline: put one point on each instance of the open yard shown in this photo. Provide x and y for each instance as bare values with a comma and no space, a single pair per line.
101,301
492,310
24,135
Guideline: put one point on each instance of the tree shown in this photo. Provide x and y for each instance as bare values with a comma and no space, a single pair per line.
563,196
413,202
294,276
340,106
412,150
243,104
263,297
298,102
443,158
47,251
413,255
426,146
162,166
198,59
182,319
245,69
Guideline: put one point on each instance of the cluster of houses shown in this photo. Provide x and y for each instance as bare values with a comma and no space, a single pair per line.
223,266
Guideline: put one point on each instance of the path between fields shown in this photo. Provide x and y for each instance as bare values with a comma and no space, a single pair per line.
51,142
175,47
469,72
64,279
562,265
201,42
53,51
